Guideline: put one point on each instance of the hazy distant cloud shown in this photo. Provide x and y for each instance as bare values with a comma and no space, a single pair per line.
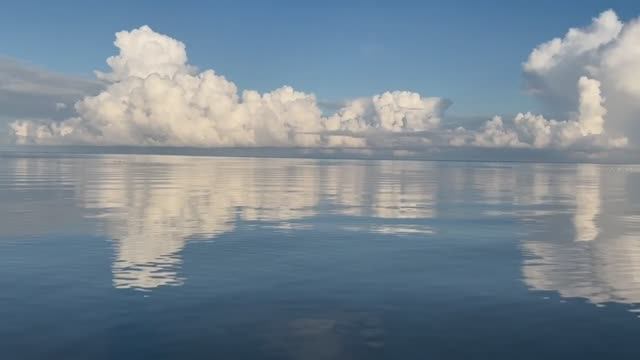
27,91
154,97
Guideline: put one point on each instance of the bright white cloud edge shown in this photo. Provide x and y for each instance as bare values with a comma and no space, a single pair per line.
155,98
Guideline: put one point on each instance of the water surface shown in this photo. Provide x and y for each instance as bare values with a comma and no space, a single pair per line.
159,257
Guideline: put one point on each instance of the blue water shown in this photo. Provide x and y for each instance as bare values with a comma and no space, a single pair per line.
168,257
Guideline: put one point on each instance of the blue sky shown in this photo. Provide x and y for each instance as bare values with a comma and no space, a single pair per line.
468,51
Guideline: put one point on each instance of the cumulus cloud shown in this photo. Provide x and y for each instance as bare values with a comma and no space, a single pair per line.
153,97
530,130
144,52
601,61
607,51
577,42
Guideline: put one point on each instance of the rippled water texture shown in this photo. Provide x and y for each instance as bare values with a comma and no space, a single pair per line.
130,257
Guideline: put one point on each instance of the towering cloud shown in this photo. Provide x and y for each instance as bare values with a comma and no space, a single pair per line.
144,52
154,97
529,130
601,61
576,44
608,51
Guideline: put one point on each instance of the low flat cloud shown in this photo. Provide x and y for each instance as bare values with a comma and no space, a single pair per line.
27,91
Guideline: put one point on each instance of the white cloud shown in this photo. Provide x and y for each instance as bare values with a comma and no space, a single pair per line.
591,109
144,52
623,59
393,111
529,130
607,51
602,59
494,134
577,42
154,97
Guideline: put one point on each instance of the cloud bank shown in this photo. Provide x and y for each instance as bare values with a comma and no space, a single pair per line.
153,97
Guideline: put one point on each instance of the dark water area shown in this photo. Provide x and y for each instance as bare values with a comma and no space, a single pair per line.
178,257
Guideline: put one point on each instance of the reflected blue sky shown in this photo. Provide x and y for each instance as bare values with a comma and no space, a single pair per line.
312,256
150,206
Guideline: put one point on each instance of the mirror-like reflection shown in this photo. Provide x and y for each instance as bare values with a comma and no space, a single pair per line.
602,262
587,203
302,258
578,225
151,205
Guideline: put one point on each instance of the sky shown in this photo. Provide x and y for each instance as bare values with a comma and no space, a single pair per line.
469,53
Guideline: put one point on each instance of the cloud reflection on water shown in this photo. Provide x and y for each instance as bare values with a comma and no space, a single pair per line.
578,226
151,206
602,262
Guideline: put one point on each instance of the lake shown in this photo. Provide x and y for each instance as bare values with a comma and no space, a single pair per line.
178,257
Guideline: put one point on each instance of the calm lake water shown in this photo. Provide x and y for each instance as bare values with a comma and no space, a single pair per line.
168,257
